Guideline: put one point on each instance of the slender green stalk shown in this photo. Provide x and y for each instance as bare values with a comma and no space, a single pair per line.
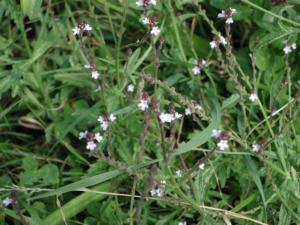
177,35
77,205
270,13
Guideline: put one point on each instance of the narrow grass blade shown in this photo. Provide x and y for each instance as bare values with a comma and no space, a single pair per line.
254,174
77,205
205,135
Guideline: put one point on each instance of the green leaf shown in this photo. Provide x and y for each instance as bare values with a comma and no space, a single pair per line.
49,174
255,176
205,135
275,36
29,177
132,62
86,182
31,8
231,101
90,181
29,163
264,58
78,204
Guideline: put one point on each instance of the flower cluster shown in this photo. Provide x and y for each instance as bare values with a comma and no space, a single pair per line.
169,117
182,223
149,20
91,138
8,201
253,96
259,147
81,28
217,40
144,102
289,47
95,74
198,64
256,147
152,24
158,191
130,88
202,166
227,15
105,119
193,108
145,3
178,173
222,137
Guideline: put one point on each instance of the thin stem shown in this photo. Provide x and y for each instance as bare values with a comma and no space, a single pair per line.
176,30
270,13
228,213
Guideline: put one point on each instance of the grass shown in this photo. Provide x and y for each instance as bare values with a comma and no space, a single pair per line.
48,97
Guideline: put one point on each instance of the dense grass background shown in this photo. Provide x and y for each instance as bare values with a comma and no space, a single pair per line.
47,98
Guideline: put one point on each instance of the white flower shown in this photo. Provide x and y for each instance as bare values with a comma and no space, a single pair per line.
87,27
98,137
153,2
217,40
229,20
153,192
202,166
178,173
143,105
253,97
198,107
188,111
221,14
98,88
166,117
182,223
95,74
7,201
213,44
91,146
155,31
145,20
76,31
87,66
227,14
196,70
223,144
112,117
256,147
216,133
159,192
104,125
139,3
103,122
100,119
83,134
163,182
289,47
178,115
130,88
222,40
156,192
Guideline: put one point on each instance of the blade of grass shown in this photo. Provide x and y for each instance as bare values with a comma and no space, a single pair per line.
77,205
90,181
270,13
205,135
254,174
